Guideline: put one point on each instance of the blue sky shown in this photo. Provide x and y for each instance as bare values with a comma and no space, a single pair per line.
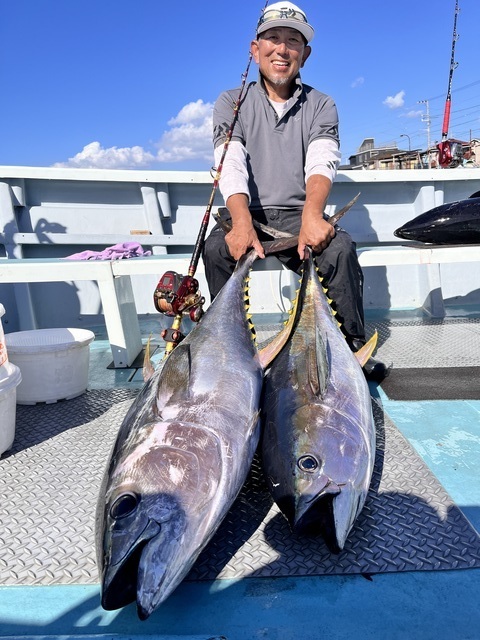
131,83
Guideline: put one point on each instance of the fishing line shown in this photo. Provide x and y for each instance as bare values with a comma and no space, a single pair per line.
188,286
206,218
444,148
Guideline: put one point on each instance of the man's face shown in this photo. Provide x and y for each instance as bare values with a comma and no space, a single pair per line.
280,53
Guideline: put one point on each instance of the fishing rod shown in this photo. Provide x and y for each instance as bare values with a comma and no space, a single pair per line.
445,155
177,295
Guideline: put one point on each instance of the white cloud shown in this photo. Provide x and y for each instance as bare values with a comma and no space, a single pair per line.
192,112
189,138
357,82
396,101
413,114
94,156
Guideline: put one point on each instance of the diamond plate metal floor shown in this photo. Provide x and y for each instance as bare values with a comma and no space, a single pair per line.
449,342
49,483
421,342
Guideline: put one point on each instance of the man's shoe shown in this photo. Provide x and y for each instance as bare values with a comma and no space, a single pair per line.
375,370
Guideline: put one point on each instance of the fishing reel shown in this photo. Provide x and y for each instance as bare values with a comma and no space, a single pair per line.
450,154
176,296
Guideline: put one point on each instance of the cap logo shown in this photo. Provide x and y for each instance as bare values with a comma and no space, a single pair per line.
285,14
282,14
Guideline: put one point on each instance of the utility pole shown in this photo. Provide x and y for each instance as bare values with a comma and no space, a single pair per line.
426,118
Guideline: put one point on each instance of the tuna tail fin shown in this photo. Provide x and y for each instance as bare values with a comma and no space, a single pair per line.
365,352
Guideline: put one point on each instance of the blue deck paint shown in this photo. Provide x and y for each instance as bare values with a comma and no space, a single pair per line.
394,606
414,605
446,434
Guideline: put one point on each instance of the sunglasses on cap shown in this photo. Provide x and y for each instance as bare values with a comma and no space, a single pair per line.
281,14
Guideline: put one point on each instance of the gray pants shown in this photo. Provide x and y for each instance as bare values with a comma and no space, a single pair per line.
338,265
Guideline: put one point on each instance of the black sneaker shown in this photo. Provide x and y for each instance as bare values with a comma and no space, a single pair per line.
375,370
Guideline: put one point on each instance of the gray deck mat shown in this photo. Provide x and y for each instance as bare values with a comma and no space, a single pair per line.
49,484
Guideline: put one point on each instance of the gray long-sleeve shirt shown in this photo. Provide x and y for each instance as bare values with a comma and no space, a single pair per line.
275,149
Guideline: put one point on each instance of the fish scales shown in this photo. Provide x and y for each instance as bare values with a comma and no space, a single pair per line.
319,434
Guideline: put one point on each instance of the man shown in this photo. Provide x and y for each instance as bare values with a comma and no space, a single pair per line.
279,169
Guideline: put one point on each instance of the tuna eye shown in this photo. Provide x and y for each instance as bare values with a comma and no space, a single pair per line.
124,506
308,463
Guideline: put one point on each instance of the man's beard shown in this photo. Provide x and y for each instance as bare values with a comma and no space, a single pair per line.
278,82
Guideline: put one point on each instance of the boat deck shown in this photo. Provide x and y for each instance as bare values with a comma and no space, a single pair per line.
411,568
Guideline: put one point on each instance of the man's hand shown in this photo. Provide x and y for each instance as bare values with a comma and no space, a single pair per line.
240,239
243,236
316,233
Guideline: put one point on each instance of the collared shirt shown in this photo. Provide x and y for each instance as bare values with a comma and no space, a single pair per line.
271,157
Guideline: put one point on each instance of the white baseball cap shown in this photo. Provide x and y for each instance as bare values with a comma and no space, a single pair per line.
285,14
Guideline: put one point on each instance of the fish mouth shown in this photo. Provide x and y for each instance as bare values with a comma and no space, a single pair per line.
163,563
315,515
332,514
403,233
119,584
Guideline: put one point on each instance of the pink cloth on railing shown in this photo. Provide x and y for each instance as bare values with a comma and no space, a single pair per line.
116,252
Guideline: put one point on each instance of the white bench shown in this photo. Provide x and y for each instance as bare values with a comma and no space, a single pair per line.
117,296
429,278
385,255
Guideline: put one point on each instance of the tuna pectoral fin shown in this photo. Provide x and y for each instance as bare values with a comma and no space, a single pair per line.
365,353
317,365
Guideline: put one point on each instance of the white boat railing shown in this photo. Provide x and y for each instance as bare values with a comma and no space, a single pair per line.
49,213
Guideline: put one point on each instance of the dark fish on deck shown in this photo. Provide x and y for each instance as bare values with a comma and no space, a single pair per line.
319,434
452,223
181,456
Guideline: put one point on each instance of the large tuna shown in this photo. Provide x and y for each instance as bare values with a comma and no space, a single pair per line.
181,456
319,434
452,223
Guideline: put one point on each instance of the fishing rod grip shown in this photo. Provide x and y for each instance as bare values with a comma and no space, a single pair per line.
446,118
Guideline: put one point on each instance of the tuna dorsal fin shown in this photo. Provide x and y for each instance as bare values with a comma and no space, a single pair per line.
317,365
148,368
364,354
